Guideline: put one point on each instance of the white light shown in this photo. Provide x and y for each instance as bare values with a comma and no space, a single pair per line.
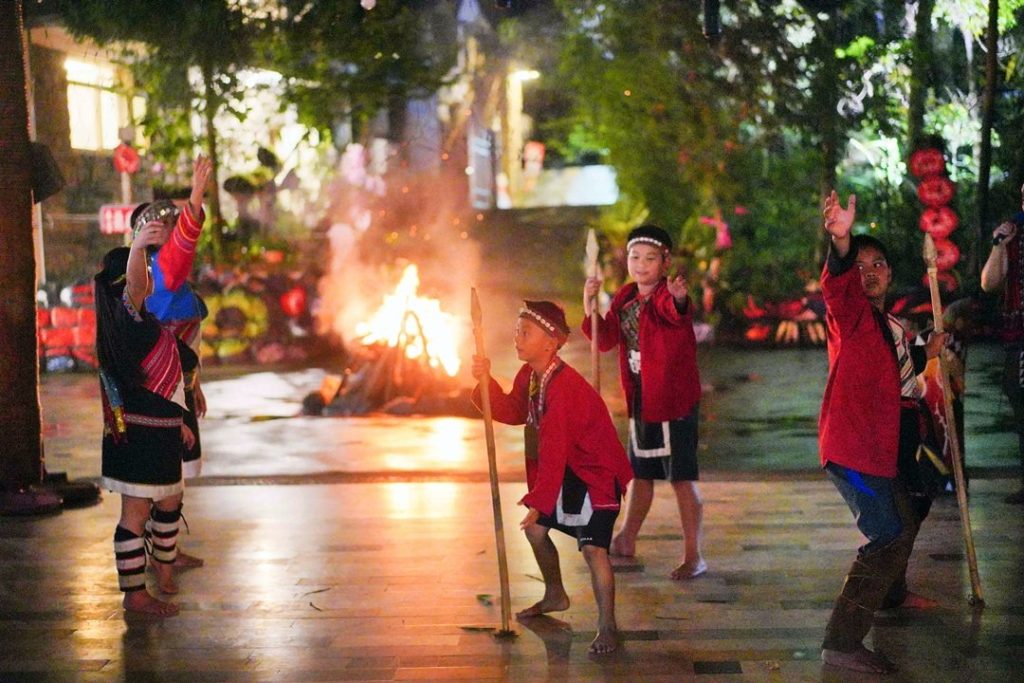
524,75
368,4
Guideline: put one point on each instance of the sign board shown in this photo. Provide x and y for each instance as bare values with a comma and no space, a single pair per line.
115,218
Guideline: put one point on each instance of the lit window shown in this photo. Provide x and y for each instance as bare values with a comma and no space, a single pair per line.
95,110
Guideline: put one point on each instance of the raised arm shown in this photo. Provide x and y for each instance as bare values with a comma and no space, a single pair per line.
177,255
137,276
994,271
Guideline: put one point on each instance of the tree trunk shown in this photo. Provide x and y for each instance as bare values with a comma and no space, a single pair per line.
921,72
217,223
985,152
21,447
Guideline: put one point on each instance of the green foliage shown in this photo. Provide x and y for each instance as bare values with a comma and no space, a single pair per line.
343,61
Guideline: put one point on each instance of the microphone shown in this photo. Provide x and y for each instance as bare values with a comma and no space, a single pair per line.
1017,220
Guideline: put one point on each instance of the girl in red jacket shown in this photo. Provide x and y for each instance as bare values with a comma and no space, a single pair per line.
576,469
651,322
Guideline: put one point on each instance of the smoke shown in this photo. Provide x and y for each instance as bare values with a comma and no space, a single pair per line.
383,217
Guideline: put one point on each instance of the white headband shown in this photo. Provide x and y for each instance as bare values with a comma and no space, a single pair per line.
648,240
540,320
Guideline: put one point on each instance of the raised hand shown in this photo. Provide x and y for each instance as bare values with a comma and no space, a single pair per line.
1004,233
202,168
839,221
153,234
677,287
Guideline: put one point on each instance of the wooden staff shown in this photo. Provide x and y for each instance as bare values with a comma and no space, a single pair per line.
499,531
951,427
595,352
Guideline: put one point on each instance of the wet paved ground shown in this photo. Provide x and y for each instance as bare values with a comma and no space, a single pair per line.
362,549
395,581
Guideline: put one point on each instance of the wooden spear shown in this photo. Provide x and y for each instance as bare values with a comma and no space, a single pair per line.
499,531
952,436
595,352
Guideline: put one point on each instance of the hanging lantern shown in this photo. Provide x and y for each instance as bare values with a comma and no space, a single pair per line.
935,190
926,162
938,222
947,254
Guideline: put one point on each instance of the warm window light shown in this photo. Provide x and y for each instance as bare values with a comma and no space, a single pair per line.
95,111
524,75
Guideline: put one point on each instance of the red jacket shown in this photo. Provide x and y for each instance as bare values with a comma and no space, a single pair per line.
575,431
669,380
177,255
860,413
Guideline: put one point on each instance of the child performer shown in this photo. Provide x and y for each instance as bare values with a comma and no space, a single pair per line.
172,300
141,366
651,321
576,469
868,433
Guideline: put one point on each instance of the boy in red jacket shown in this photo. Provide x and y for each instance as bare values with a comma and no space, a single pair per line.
651,319
868,433
576,469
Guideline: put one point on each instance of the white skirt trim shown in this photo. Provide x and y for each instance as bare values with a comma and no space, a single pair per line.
153,491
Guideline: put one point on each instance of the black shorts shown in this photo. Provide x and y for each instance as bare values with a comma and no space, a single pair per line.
598,532
681,462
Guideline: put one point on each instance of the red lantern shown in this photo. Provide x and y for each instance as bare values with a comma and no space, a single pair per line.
938,222
947,254
126,159
935,190
293,302
926,162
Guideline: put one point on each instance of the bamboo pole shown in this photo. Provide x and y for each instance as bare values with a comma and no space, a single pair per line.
595,352
499,531
951,428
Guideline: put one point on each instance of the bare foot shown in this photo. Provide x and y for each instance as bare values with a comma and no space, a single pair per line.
165,578
689,570
915,601
144,603
186,561
622,546
554,603
861,659
607,640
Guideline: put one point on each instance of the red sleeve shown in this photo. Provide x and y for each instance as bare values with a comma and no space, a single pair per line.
179,252
666,309
845,301
507,408
554,446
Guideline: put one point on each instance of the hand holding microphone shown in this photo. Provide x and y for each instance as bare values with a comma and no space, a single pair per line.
1007,229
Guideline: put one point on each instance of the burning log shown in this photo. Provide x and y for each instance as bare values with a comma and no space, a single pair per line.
400,378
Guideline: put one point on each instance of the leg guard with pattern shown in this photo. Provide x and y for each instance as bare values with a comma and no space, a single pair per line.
130,558
163,533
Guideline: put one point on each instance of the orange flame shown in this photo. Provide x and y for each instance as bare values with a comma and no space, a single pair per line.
417,322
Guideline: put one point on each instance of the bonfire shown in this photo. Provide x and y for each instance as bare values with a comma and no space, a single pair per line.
404,360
